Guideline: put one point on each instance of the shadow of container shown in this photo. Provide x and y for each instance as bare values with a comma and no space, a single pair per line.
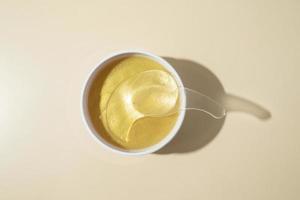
198,128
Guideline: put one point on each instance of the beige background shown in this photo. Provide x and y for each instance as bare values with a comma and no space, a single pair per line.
48,48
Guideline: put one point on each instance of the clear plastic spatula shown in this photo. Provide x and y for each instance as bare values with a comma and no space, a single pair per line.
152,93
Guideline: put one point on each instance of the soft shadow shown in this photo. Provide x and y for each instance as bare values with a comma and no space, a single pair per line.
198,128
234,103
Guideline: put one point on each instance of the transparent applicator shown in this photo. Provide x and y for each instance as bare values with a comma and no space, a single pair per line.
152,93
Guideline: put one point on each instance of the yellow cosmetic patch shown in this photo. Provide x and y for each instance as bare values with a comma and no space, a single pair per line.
135,87
151,93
